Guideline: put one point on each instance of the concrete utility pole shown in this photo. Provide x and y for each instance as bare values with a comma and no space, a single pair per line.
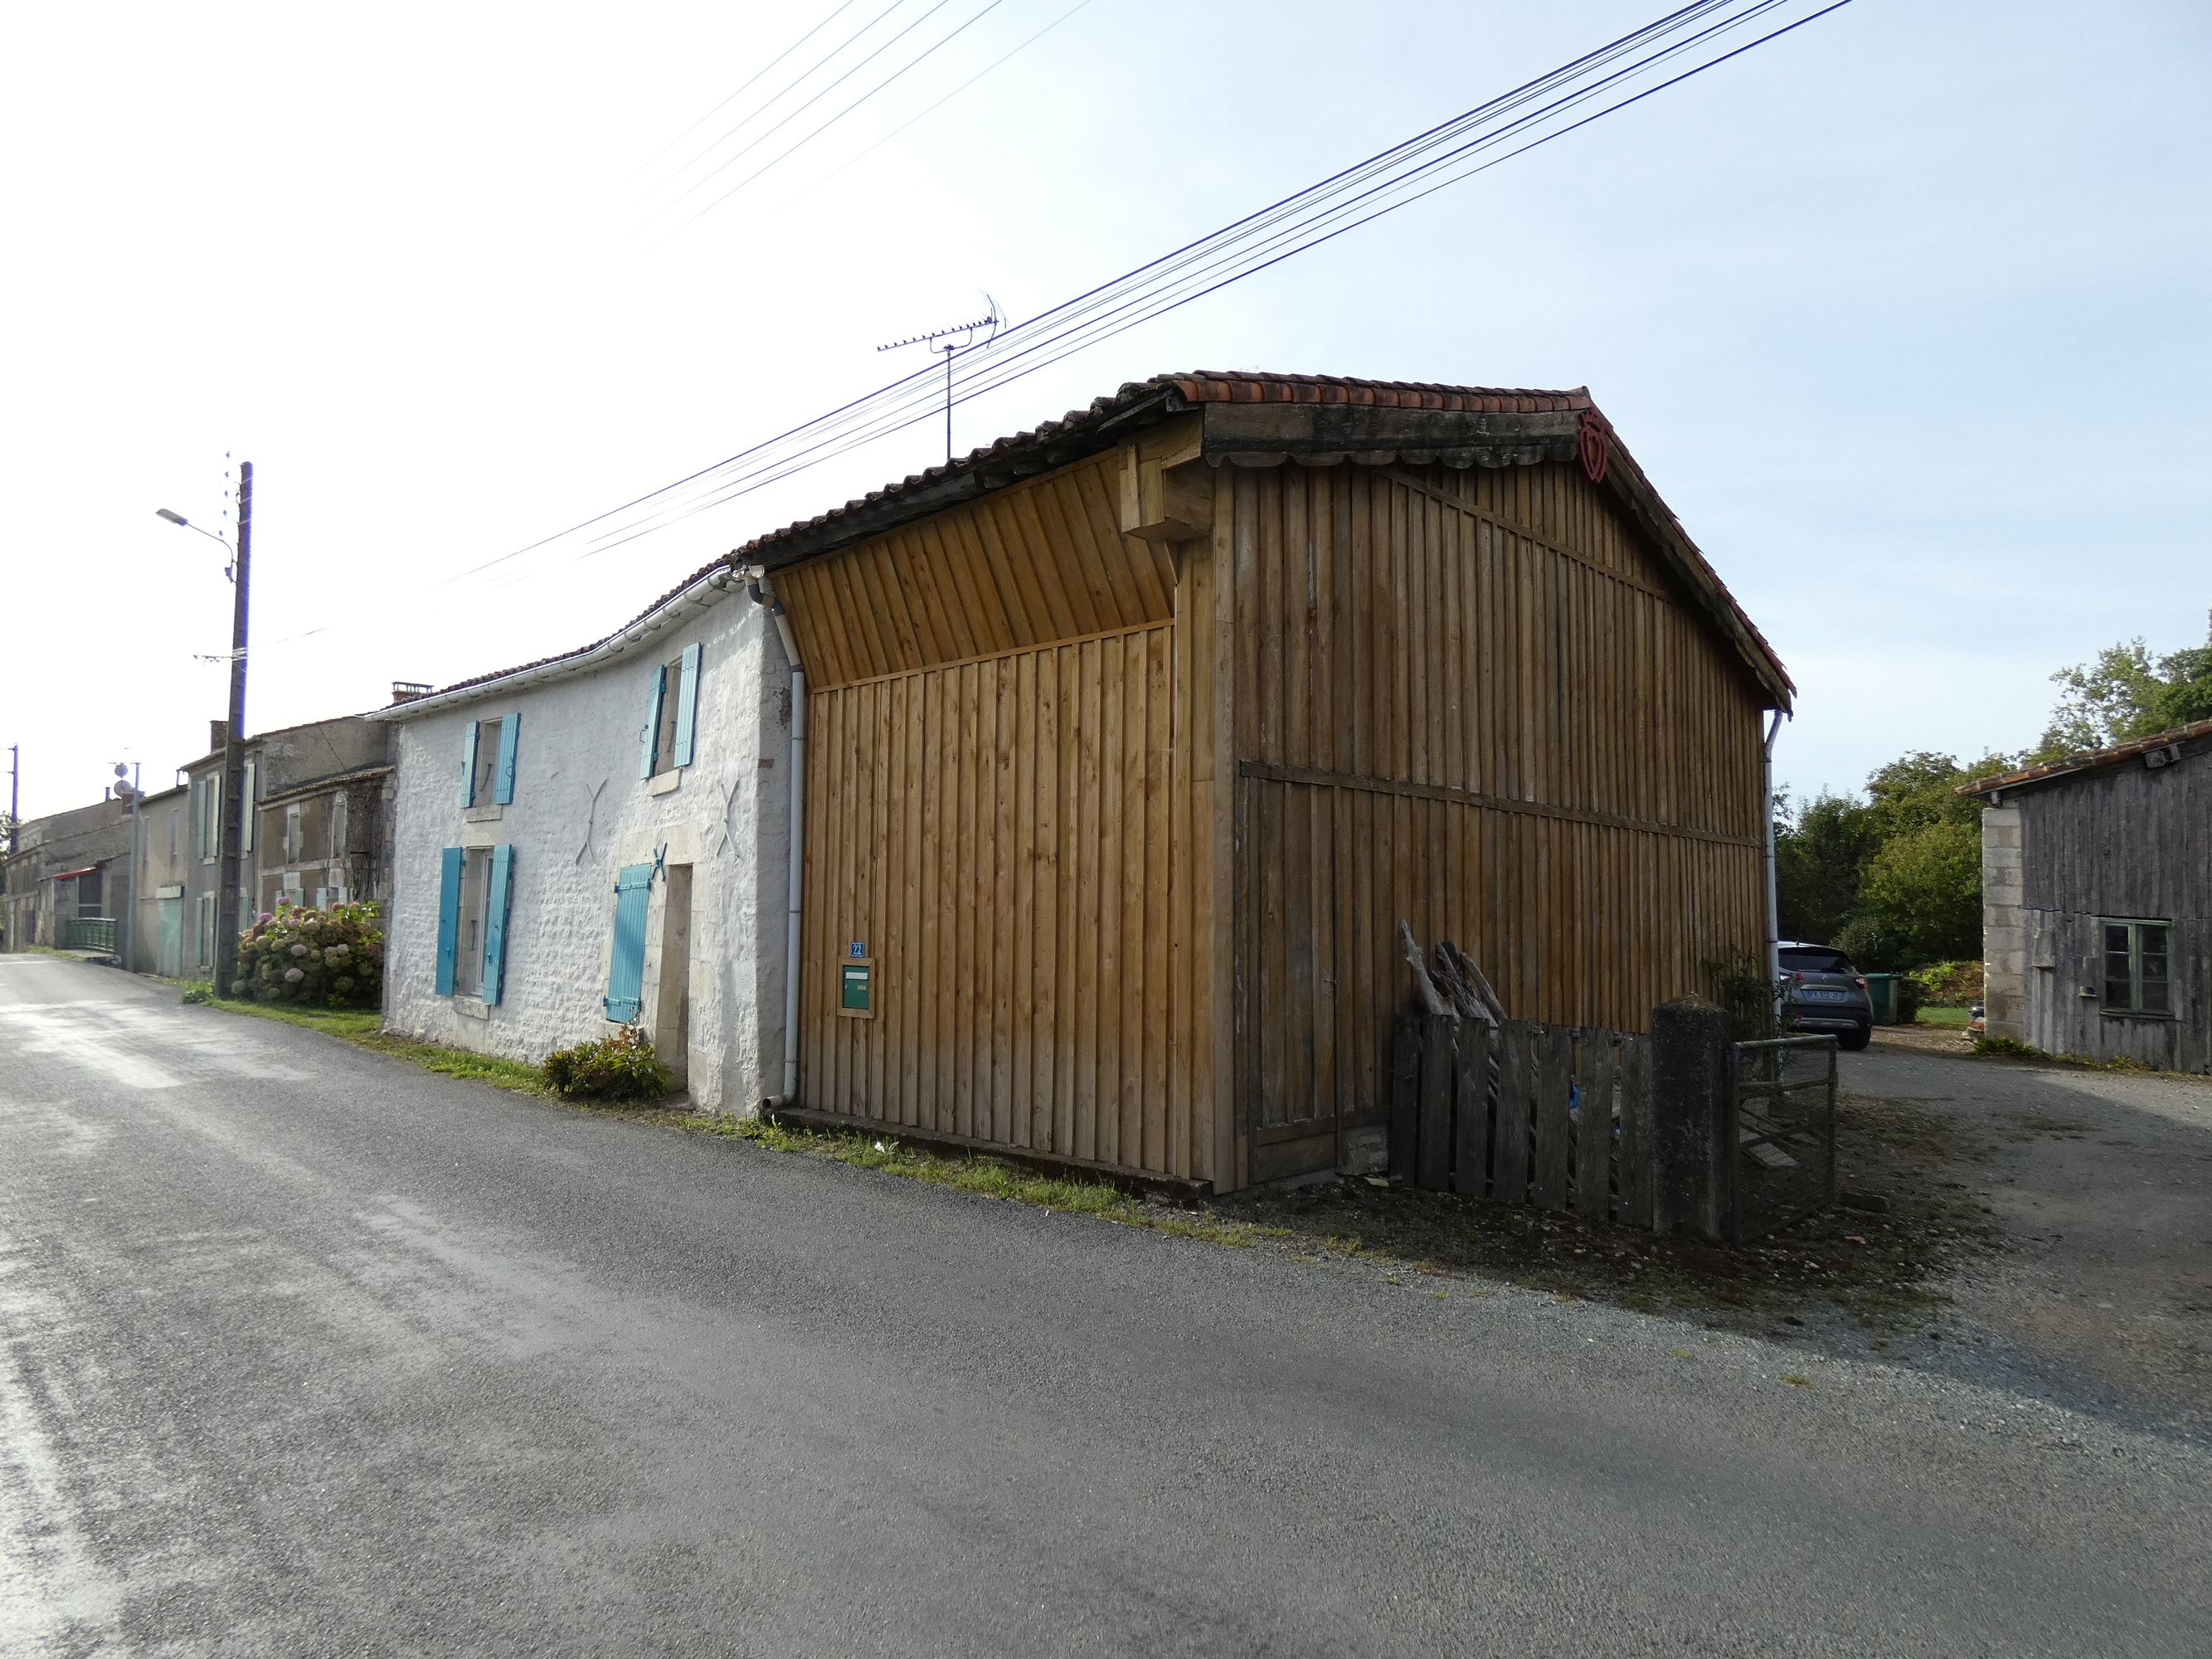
233,745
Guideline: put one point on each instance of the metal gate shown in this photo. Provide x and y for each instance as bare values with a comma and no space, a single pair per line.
1782,1127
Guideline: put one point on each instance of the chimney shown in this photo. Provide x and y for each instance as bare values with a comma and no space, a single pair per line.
408,691
218,734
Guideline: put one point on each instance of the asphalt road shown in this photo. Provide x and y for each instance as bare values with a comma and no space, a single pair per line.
308,1352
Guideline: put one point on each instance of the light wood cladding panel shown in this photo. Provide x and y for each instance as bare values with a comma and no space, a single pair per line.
1001,834
1040,562
1468,699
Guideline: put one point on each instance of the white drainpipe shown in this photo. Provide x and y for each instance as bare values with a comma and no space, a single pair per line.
1773,887
765,595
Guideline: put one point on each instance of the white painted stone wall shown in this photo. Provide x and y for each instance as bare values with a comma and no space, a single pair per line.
580,813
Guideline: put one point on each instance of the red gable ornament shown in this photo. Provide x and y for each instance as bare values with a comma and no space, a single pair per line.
1593,442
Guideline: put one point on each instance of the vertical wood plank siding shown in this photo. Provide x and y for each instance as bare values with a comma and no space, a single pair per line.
2131,841
1128,836
1521,741
1000,809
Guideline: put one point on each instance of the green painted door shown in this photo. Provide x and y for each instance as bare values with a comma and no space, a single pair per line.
169,938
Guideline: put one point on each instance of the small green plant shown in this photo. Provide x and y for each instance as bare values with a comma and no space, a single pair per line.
2008,1047
332,958
621,1068
1740,985
199,990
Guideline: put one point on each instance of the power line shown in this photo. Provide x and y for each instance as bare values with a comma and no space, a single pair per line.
843,6
1356,196
793,115
996,364
955,92
786,155
1611,51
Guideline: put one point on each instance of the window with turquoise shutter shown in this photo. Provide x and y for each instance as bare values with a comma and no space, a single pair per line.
687,704
449,916
497,903
626,962
510,736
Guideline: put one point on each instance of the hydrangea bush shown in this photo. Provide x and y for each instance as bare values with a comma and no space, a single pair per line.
329,958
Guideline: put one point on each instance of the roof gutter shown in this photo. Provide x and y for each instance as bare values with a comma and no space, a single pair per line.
700,594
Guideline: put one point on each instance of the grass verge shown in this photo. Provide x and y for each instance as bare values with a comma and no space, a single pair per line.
364,1027
1950,1018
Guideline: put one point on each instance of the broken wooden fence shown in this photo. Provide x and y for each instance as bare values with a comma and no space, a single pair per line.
1555,1117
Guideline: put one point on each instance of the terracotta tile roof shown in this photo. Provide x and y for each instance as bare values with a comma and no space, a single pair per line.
1054,442
1141,403
2089,760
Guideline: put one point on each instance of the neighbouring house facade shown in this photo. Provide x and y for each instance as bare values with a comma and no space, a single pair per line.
2097,903
68,879
598,840
157,940
318,831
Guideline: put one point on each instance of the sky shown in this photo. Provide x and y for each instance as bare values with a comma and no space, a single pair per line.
1904,313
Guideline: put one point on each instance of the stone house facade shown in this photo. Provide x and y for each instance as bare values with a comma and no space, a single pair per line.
67,866
598,840
319,831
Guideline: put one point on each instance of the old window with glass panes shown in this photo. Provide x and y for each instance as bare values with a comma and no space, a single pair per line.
2135,980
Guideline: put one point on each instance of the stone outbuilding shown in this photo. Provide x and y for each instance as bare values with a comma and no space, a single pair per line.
2097,903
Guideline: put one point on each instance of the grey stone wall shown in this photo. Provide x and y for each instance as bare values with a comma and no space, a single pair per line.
2004,938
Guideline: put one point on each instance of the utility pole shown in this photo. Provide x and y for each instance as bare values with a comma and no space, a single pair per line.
14,792
227,927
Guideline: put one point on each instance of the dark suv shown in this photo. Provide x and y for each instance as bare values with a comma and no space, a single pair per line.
1822,992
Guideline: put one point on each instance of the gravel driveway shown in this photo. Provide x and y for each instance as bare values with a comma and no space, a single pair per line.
2102,1184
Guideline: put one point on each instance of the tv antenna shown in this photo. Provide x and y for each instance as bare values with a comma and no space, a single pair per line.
951,349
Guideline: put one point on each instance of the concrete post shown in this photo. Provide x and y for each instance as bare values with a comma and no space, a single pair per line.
1692,1115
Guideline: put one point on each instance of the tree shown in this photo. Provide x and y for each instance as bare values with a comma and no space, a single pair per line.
1923,889
1818,852
2126,693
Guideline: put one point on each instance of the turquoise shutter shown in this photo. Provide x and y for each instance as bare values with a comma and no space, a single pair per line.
687,705
652,720
468,767
510,732
449,917
626,967
502,887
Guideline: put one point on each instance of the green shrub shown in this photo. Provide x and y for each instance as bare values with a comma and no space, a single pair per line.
332,958
1740,986
621,1068
199,990
1909,998
1950,984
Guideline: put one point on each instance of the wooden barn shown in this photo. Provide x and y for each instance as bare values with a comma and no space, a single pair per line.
2097,901
1132,740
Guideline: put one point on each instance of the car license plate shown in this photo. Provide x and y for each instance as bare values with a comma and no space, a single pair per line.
1826,996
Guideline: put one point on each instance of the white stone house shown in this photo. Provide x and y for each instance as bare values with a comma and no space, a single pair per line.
600,838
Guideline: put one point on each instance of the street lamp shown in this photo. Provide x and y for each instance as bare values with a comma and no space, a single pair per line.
233,740
180,520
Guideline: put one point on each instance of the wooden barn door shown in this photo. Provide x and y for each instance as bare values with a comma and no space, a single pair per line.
993,836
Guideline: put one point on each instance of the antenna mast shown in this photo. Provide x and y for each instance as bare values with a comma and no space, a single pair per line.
967,331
